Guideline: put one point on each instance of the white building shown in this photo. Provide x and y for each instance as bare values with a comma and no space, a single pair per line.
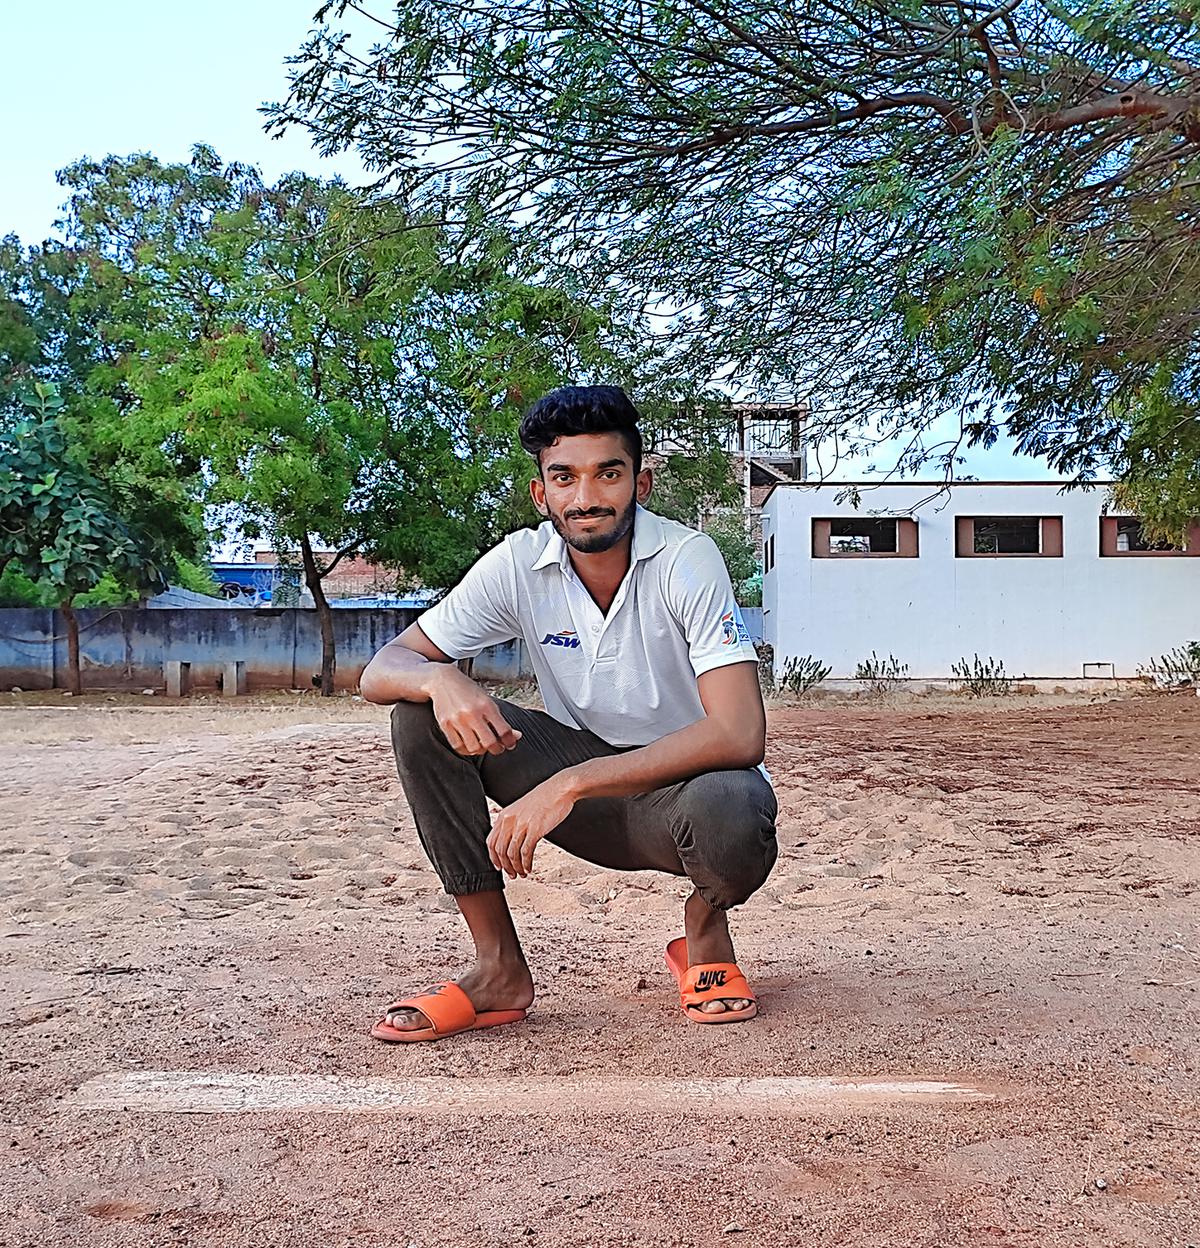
1044,580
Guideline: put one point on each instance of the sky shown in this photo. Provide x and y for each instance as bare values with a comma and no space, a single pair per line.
86,79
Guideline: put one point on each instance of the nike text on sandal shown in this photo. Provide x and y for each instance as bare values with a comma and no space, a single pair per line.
449,1011
709,981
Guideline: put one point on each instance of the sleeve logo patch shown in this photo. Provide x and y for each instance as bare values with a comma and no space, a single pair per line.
734,631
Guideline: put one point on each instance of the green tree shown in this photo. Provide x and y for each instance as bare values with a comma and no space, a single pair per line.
730,532
65,322
64,529
1161,472
341,375
899,210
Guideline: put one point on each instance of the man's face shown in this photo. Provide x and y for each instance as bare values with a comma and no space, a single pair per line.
589,491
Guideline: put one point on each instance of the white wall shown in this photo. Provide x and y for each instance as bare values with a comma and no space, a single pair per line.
1043,617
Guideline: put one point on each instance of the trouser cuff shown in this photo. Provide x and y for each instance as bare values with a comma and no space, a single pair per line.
464,885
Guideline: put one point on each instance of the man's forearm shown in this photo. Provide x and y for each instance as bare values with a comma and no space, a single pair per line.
398,674
706,745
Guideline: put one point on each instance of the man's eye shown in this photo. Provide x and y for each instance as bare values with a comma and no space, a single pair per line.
560,480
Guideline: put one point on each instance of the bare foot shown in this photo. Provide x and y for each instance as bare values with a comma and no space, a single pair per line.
490,986
708,940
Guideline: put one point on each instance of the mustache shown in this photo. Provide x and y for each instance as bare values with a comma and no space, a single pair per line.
595,513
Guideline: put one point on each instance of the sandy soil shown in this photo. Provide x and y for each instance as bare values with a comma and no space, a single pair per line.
1006,897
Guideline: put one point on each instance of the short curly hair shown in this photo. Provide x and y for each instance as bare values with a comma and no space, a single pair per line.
572,410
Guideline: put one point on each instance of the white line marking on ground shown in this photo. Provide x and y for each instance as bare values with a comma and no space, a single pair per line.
193,1092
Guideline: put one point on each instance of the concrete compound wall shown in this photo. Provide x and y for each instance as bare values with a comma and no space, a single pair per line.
125,648
1042,616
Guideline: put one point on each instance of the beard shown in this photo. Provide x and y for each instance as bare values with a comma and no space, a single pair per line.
594,543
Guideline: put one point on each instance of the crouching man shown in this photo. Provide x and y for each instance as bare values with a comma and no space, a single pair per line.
648,755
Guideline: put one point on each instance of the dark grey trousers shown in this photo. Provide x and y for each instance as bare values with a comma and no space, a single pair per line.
717,829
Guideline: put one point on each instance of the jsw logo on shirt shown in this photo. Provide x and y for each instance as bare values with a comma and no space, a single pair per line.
565,638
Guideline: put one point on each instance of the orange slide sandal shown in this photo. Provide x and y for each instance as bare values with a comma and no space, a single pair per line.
709,981
449,1011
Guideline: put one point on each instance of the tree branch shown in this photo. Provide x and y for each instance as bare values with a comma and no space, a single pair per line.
323,572
1130,103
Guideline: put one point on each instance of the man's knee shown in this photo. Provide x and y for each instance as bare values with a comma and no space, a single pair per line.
726,834
414,728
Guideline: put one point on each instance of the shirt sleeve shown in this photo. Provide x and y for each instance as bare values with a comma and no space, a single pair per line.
478,612
701,598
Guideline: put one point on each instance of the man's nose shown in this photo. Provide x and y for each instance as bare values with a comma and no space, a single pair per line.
585,495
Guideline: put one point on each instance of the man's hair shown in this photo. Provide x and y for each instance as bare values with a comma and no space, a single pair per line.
572,410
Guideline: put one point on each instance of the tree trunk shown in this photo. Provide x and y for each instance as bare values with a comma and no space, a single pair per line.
74,680
312,578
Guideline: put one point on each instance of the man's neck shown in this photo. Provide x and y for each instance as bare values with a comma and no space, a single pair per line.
603,571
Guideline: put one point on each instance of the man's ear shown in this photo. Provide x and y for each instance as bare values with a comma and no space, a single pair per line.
537,491
645,483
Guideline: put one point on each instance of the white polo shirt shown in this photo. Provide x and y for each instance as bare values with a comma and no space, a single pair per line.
628,676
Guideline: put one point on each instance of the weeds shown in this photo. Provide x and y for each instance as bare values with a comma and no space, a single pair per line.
800,675
1177,667
983,678
882,676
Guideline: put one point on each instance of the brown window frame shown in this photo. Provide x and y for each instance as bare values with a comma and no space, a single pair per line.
1050,538
1109,526
908,540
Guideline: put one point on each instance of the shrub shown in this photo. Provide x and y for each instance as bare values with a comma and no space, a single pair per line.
800,675
982,678
1180,666
882,676
17,590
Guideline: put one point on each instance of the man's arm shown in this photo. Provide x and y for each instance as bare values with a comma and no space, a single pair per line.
412,669
732,735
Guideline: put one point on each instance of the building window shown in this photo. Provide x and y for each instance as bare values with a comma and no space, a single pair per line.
1122,535
1008,535
854,538
769,553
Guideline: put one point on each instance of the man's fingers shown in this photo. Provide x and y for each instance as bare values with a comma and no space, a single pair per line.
505,733
489,739
470,741
492,853
493,734
501,847
528,845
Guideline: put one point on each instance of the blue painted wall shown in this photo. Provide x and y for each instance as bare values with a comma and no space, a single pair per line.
125,648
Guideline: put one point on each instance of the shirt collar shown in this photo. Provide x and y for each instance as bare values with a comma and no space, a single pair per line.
648,540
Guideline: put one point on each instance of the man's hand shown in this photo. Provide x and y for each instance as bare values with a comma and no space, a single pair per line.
519,827
471,721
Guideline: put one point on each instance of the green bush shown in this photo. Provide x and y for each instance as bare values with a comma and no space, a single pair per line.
17,590
196,577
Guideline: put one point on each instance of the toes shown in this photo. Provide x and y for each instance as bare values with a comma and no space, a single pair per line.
713,1007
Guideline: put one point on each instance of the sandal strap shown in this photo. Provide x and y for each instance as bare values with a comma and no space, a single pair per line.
714,981
447,1007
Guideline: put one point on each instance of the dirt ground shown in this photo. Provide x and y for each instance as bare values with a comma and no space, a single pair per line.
1005,897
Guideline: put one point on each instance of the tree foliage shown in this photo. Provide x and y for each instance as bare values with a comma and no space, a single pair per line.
900,210
64,529
336,374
